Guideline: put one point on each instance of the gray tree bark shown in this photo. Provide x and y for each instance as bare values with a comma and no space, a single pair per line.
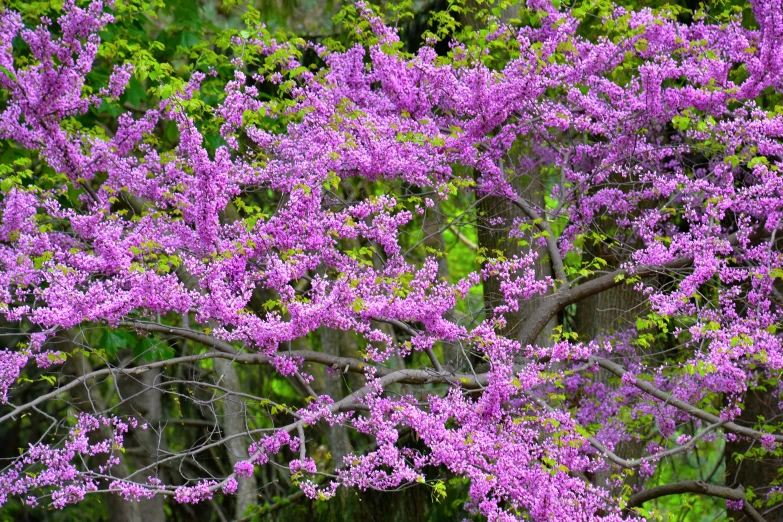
144,403
604,313
495,239
88,399
337,436
232,422
757,473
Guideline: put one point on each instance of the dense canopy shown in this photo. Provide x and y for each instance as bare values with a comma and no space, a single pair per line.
552,242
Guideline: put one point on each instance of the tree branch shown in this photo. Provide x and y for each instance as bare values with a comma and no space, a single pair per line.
680,404
552,304
551,243
353,365
107,371
349,403
462,237
624,463
696,486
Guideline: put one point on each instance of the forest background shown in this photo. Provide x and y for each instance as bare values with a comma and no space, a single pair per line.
167,40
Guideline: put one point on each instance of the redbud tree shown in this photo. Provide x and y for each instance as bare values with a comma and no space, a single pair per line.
410,242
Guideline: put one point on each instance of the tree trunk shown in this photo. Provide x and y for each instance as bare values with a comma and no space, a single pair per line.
495,239
232,423
433,237
144,403
610,311
337,435
754,474
87,398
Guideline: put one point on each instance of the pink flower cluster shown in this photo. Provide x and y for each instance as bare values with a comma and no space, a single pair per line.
688,170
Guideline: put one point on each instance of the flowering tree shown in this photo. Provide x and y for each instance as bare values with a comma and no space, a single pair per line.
637,153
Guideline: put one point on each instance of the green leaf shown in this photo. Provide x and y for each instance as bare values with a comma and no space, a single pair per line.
681,122
153,349
8,72
438,491
733,160
758,160
776,273
358,305
114,340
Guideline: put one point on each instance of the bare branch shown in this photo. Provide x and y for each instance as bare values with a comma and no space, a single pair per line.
353,365
696,486
551,243
688,408
462,237
651,458
106,371
552,304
